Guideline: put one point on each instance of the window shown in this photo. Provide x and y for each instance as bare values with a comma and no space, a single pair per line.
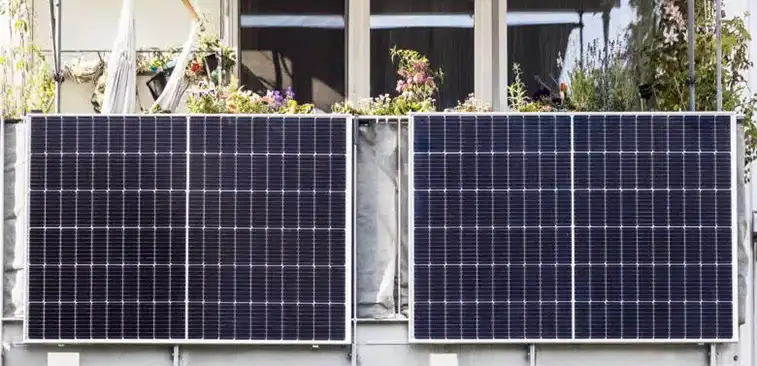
442,30
297,43
540,32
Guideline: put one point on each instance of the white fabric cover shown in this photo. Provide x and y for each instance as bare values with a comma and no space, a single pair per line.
121,85
177,84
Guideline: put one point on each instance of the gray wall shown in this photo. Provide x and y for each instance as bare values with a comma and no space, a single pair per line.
378,344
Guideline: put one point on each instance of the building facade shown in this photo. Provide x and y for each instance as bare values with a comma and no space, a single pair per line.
332,50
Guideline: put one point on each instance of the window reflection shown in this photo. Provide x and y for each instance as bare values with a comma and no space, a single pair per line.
297,43
540,32
442,30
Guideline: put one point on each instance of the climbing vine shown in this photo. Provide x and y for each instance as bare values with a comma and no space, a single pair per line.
26,82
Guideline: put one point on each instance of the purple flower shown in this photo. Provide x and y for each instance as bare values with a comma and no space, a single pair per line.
290,93
278,99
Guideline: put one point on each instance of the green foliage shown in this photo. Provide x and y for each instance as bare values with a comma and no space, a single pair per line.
471,104
667,64
518,99
26,81
207,44
234,99
604,83
417,85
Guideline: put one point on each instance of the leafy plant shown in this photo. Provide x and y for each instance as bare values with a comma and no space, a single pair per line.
209,98
667,62
604,82
518,98
417,85
471,104
26,81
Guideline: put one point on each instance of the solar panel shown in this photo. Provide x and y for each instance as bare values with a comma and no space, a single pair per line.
153,229
570,228
269,238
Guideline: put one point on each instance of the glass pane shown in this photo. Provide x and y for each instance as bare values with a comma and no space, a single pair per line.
540,32
442,30
297,43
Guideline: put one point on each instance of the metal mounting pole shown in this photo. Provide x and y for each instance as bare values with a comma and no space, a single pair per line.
56,27
581,38
692,71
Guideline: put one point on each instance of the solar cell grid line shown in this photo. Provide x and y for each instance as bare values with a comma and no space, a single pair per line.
651,217
271,261
487,191
99,272
654,242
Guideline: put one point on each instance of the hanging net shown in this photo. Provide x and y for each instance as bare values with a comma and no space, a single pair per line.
121,83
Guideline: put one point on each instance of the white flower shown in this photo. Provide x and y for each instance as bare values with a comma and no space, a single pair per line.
670,36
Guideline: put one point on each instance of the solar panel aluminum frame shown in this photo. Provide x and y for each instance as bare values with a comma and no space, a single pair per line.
573,340
2,227
349,241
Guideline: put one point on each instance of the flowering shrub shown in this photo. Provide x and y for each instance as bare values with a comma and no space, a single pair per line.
416,83
208,98
416,86
603,82
664,64
471,104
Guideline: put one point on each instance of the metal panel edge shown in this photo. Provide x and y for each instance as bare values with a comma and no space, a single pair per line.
572,340
174,341
187,195
187,341
735,226
411,229
348,242
28,121
683,113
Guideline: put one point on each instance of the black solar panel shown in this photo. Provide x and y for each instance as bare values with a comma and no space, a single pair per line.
572,228
268,228
176,229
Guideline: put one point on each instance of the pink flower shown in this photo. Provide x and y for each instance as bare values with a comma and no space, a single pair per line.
400,85
419,78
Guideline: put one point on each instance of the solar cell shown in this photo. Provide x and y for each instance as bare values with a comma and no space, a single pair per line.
184,230
268,233
106,228
654,242
558,227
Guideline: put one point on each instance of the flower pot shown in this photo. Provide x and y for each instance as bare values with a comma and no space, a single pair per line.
211,62
645,91
158,82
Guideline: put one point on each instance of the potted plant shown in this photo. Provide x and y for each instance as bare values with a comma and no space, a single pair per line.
210,98
417,85
158,82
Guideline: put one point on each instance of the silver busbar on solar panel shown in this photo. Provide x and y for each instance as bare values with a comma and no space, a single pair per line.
573,228
201,229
